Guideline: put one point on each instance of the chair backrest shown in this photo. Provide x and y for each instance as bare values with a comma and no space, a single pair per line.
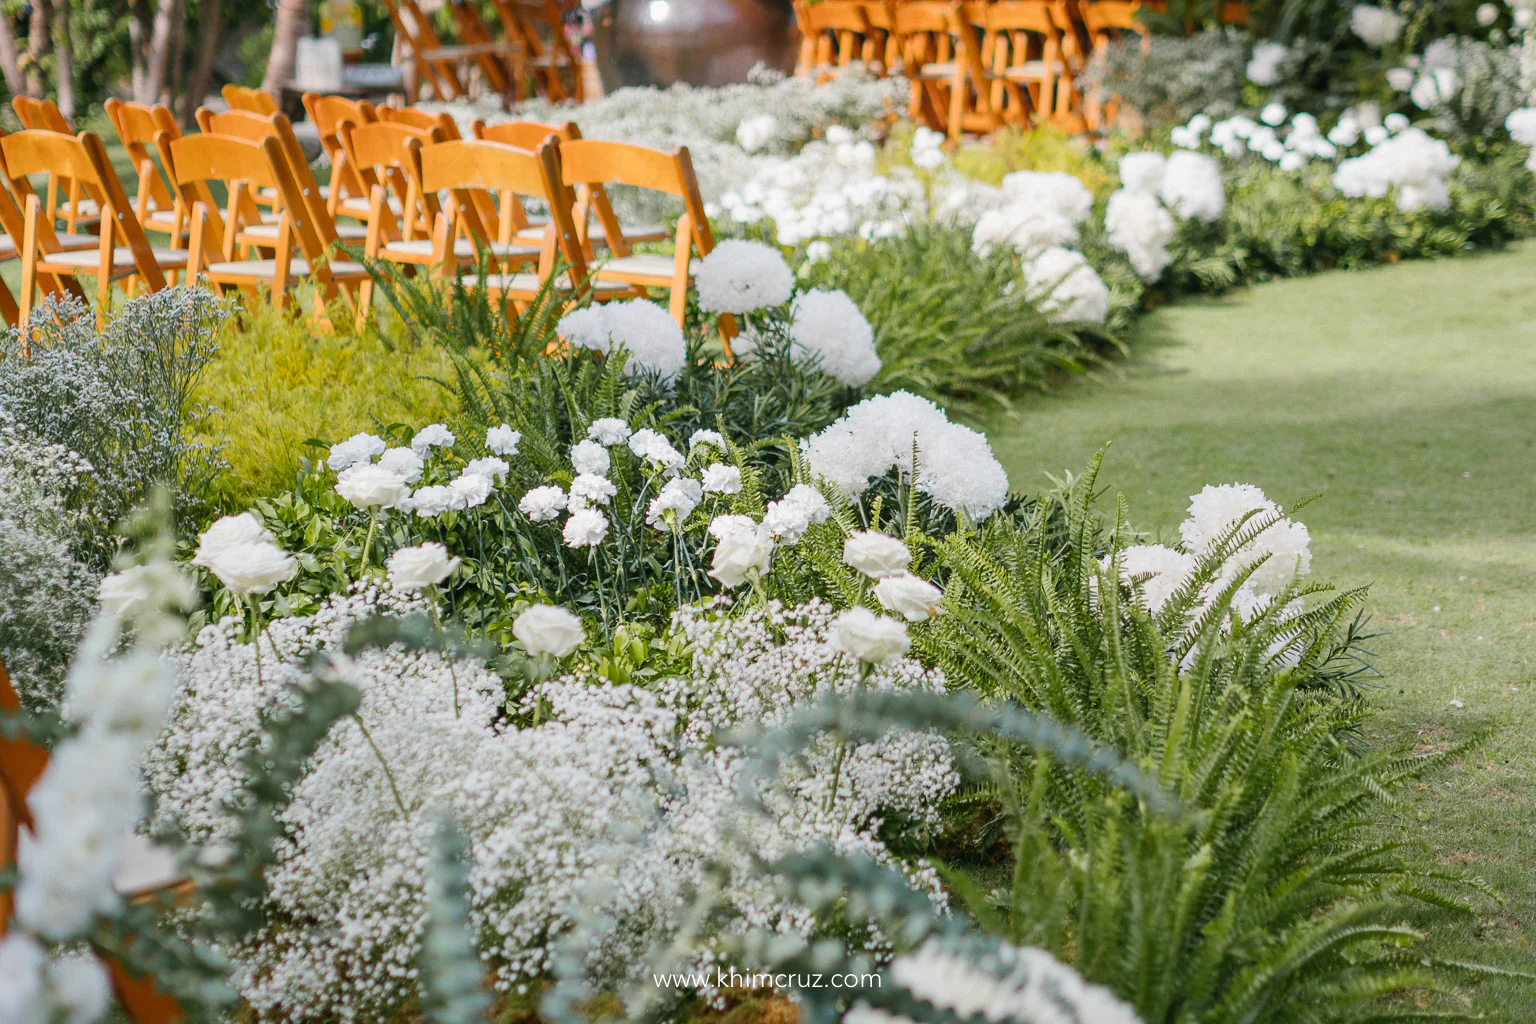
420,119
137,124
242,124
83,159
415,33
378,151
240,97
41,114
1103,16
1019,16
328,113
537,27
467,166
923,27
841,30
590,164
523,134
474,32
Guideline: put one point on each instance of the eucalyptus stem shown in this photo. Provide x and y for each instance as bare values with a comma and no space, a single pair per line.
389,776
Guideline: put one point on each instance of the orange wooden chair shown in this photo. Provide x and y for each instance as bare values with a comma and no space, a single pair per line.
923,28
443,68
836,34
381,150
83,158
243,166
149,872
1022,59
13,224
79,211
257,101
347,193
419,119
538,28
588,165
466,166
1104,21
137,124
500,61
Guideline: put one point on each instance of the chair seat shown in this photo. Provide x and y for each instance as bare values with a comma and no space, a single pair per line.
530,284
638,233
66,239
122,258
467,51
146,868
462,249
84,208
358,206
1031,70
935,71
266,270
345,232
268,195
644,264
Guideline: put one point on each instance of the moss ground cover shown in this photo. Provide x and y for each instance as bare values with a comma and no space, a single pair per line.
1404,395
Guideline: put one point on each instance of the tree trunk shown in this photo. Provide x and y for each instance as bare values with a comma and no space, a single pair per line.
292,23
138,32
210,27
177,74
157,60
37,48
10,67
64,59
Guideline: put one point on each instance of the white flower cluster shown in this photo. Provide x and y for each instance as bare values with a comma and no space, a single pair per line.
1521,125
955,466
1013,986
537,805
386,484
740,276
1410,163
828,328
1376,26
1064,285
650,335
36,989
1288,146
1267,66
1042,209
1138,221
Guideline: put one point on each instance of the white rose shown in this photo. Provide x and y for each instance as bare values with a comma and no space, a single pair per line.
422,566
229,532
869,637
368,486
124,594
546,629
253,568
875,554
911,597
740,553
721,478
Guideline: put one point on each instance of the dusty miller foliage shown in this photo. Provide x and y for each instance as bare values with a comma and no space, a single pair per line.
121,399
1177,77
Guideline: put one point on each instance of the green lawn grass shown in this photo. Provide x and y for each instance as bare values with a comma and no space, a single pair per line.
1406,395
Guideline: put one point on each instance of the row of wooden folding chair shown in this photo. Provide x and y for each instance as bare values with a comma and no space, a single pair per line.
533,50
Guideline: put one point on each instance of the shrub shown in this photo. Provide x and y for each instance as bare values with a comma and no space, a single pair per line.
1176,78
123,399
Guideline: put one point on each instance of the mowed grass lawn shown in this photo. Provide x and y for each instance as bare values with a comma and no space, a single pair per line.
1406,395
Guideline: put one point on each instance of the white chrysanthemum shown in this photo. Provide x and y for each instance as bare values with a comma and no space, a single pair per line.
591,458
585,328
955,464
1138,226
1376,26
542,503
433,435
585,529
1192,186
406,463
1055,190
647,332
1411,162
503,440
1264,68
610,430
740,276
1063,284
1027,226
355,449
829,328
1143,172
1154,572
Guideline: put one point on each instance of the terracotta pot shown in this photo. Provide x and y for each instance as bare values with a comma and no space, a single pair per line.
700,42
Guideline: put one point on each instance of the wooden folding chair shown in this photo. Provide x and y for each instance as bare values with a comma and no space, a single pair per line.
78,211
347,193
137,124
242,166
419,119
466,166
836,34
442,67
928,59
256,101
1104,21
148,874
13,224
587,165
83,158
1022,59
538,27
499,61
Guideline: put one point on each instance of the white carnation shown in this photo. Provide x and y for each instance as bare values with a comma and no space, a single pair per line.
739,277
722,478
433,435
357,448
503,440
590,458
586,528
542,503
829,329
609,430
1063,284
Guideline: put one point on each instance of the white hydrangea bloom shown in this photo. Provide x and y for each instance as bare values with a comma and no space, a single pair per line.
1521,125
1055,190
1065,286
1264,68
1193,187
1217,508
1154,572
1410,162
647,332
740,276
1027,226
956,467
1143,172
1138,226
829,327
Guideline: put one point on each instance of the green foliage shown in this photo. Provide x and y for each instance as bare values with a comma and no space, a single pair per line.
954,326
277,382
1175,77
452,979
